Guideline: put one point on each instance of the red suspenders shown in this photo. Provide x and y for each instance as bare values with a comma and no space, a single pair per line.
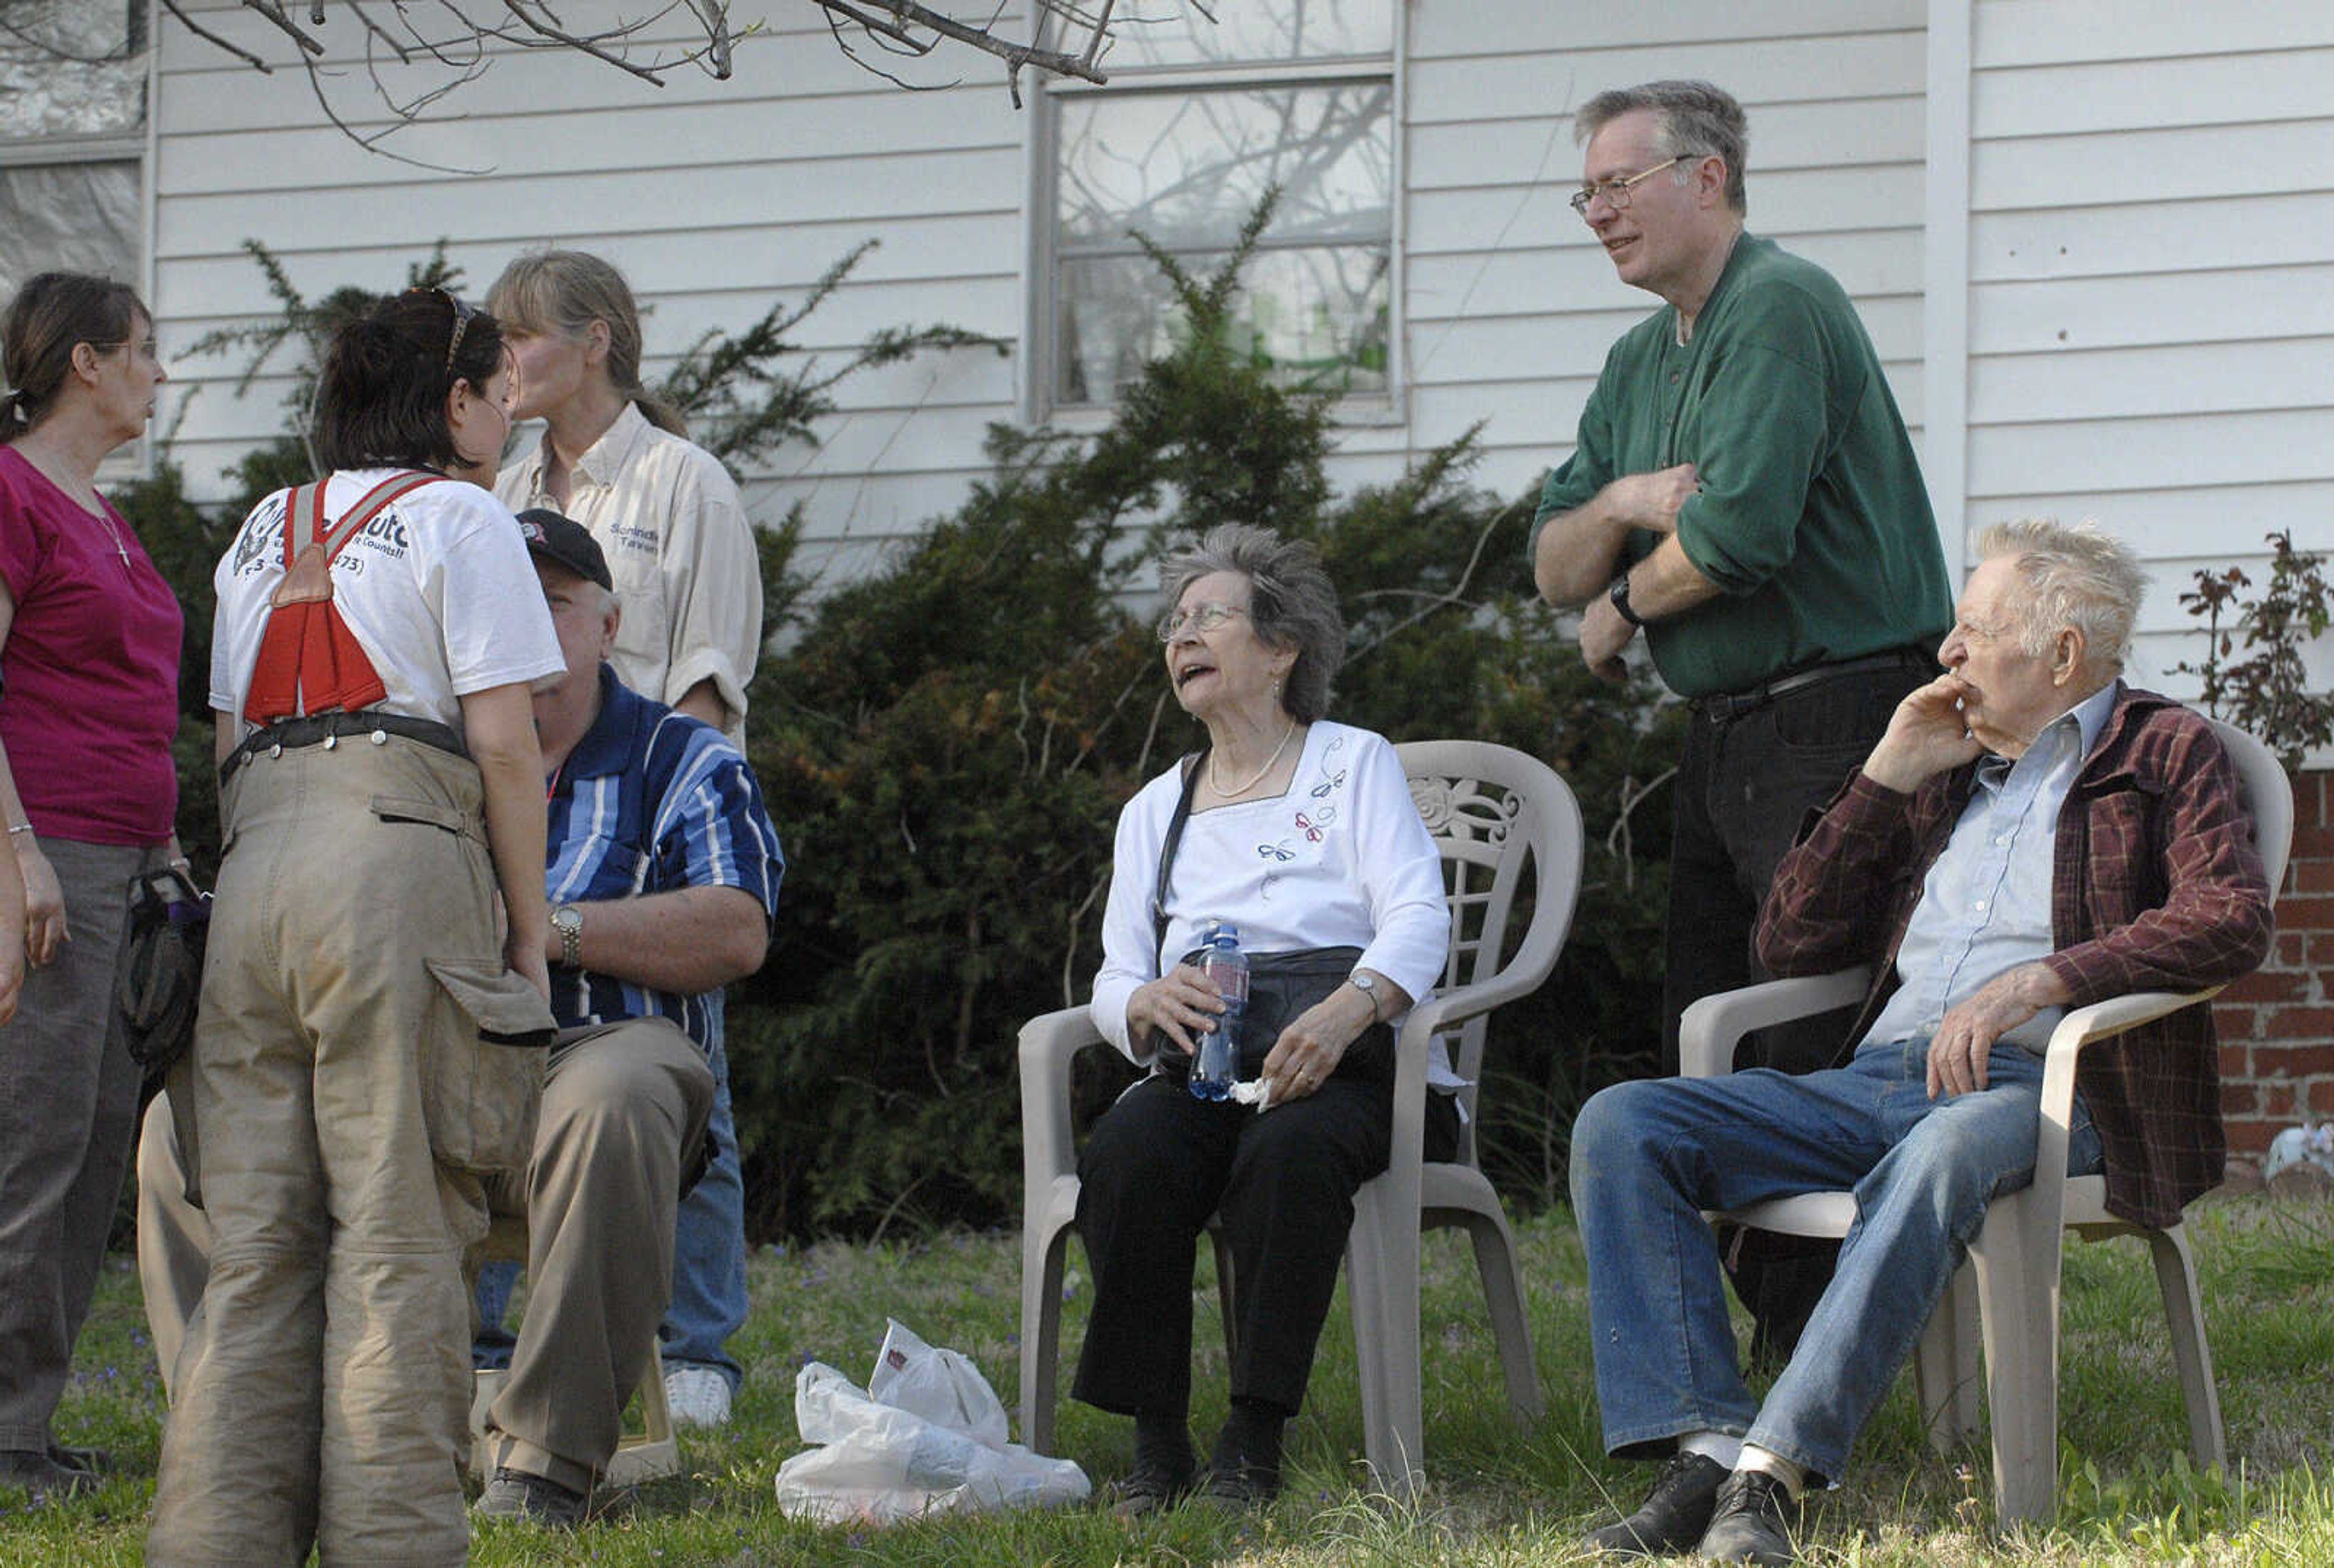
309,659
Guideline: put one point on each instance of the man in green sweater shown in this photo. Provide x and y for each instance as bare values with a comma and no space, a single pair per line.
1743,491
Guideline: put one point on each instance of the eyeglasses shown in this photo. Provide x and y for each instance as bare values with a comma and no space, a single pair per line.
1616,192
1199,620
464,314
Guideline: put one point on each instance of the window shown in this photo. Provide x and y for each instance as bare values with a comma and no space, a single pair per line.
1199,120
72,138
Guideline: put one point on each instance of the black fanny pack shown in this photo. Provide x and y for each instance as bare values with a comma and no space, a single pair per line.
1281,987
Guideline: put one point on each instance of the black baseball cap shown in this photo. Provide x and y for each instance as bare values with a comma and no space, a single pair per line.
567,541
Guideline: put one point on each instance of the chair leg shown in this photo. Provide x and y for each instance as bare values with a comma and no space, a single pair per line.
1226,1288
2183,1315
1948,1369
2018,1283
1041,1332
1381,1277
1503,1300
652,1453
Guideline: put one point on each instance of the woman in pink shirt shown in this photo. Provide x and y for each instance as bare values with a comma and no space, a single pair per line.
89,662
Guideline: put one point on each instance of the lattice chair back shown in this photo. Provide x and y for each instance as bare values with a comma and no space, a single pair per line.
1495,814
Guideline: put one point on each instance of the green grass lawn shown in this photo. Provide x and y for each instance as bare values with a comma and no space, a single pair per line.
1498,1495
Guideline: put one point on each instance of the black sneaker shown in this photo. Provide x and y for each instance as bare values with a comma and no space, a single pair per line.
41,1478
1240,1488
1754,1521
1151,1488
88,1461
538,1499
1674,1513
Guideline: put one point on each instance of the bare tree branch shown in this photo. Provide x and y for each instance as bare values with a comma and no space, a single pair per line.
213,39
403,40
906,27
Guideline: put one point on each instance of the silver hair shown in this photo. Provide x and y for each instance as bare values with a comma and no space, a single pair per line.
2070,575
1291,604
1697,119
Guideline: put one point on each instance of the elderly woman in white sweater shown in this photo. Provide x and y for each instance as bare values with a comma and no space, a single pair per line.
1301,833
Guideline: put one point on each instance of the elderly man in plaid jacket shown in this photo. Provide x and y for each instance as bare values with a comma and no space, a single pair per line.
2029,835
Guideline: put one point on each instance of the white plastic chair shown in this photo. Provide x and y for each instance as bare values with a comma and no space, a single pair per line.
1494,813
2010,1292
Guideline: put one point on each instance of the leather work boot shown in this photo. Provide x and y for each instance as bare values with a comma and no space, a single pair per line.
1674,1513
1754,1521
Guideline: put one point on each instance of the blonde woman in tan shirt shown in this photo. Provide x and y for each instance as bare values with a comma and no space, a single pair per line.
617,461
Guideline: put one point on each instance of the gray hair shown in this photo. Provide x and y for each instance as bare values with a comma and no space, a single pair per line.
1291,604
2073,575
1696,119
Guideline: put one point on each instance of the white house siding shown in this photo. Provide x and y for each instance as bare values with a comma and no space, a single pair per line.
2151,310
716,198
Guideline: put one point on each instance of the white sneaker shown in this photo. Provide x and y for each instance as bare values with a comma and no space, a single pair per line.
699,1395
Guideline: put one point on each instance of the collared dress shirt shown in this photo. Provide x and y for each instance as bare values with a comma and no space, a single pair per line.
651,800
1985,904
681,549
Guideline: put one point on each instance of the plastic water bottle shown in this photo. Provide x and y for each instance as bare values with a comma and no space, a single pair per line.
1217,1063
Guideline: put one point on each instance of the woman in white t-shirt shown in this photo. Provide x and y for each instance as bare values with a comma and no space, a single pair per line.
375,971
670,520
1301,834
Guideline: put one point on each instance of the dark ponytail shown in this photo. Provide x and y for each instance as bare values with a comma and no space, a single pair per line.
381,398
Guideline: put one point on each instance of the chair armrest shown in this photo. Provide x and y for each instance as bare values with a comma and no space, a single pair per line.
1048,1043
2081,1026
1709,1030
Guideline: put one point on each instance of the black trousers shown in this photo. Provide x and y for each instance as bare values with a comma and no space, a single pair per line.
1747,781
1159,1164
1743,789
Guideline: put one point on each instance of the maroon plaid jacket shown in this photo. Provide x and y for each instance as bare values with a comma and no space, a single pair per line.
2157,888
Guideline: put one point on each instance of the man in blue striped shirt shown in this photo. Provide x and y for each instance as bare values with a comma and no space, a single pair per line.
662,870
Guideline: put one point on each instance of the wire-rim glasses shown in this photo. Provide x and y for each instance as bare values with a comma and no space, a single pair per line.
1616,192
1201,620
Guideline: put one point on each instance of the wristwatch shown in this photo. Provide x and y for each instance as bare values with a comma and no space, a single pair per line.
1367,985
1619,594
568,921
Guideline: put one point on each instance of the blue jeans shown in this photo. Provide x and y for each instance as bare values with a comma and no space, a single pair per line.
708,1254
708,1242
1649,1157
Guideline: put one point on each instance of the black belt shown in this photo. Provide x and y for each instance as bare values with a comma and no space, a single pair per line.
1727,705
327,729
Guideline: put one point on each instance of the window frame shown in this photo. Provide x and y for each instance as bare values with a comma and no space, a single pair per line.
1046,251
62,150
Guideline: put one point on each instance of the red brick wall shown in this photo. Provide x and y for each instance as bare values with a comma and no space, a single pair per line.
2277,1024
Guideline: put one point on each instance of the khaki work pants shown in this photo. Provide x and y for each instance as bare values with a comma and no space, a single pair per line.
348,1114
623,1110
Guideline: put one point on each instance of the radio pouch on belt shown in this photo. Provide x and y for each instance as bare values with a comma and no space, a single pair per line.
309,659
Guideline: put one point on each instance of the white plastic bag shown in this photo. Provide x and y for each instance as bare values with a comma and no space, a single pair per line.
942,1386
926,1436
